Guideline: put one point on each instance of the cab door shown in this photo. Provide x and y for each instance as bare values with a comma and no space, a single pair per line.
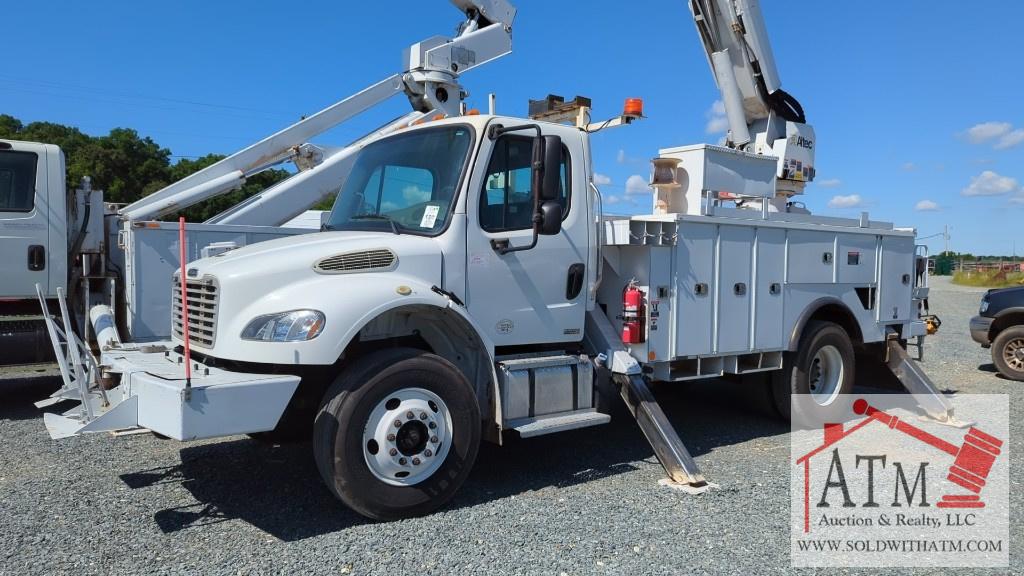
24,248
531,296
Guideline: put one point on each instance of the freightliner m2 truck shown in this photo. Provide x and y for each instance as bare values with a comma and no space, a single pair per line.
468,287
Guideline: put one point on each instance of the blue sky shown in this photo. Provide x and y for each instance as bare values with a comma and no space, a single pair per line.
915,104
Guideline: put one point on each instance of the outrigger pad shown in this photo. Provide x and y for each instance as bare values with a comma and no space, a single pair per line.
121,416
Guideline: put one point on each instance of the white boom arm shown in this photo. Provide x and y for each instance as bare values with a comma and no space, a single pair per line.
430,81
763,118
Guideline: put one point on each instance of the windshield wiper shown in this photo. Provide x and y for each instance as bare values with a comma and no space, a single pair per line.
394,227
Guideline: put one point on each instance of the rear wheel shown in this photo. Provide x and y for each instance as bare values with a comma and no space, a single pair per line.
1008,352
819,371
397,434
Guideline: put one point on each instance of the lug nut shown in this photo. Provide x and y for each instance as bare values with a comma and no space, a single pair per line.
415,461
393,452
433,439
410,415
391,437
402,461
432,425
428,453
398,423
423,415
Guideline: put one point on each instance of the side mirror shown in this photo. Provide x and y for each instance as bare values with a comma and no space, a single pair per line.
550,219
547,163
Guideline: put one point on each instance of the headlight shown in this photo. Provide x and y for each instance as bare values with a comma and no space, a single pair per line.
984,306
294,326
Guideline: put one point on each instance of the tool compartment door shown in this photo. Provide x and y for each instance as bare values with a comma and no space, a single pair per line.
768,290
734,270
896,279
695,261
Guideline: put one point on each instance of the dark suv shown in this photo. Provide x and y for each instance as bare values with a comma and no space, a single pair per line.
1000,325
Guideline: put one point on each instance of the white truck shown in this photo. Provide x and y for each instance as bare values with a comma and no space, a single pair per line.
467,286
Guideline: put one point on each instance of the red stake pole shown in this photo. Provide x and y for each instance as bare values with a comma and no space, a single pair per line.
184,302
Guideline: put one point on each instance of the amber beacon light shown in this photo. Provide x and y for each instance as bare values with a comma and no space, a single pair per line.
634,107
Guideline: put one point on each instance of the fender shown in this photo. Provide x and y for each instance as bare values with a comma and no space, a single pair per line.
809,311
423,295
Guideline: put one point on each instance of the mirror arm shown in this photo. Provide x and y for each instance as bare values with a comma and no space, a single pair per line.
502,245
496,130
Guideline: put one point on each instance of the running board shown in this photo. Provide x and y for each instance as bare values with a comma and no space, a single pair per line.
530,427
668,447
913,378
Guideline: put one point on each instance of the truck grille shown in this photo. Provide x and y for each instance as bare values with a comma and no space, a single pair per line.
201,295
356,261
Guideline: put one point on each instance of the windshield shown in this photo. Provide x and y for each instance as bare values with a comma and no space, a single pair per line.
404,183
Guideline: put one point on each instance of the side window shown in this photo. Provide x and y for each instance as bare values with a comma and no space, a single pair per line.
506,202
17,181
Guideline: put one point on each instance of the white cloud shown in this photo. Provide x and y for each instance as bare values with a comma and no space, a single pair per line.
980,133
830,183
637,184
1010,139
413,194
909,166
988,183
850,201
601,179
717,122
611,199
621,158
926,206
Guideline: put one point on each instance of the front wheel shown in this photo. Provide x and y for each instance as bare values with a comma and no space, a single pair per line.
1008,353
820,371
397,434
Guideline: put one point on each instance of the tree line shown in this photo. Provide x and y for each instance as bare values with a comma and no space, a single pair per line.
128,167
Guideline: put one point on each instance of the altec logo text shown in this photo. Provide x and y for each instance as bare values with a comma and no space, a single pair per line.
890,488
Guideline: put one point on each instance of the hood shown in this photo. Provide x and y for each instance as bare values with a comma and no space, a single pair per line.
294,257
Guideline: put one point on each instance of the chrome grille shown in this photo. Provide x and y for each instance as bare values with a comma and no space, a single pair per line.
201,296
362,260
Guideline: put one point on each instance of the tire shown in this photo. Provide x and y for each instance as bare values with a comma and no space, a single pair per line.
385,472
1008,353
823,366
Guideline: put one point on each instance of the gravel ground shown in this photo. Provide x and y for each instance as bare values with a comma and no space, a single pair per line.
585,502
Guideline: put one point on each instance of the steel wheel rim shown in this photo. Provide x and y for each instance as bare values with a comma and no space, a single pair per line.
1013,354
826,375
407,437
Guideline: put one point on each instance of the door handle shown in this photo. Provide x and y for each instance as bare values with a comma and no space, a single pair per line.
36,257
574,282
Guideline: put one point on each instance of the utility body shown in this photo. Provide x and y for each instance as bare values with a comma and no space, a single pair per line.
468,286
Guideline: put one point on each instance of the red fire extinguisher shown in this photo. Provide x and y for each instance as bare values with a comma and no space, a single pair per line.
633,312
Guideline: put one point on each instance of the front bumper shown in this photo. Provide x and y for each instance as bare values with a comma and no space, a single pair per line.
152,395
980,326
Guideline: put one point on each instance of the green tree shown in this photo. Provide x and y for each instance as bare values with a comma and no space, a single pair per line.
128,167
210,208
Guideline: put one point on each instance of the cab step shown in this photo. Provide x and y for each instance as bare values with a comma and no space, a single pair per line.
530,427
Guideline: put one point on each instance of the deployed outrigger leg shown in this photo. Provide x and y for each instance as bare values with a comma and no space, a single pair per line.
625,374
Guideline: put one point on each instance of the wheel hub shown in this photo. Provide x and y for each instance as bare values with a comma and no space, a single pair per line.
825,375
1013,354
412,438
407,436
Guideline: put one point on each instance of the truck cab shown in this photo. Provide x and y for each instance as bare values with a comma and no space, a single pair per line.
33,242
441,212
33,219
